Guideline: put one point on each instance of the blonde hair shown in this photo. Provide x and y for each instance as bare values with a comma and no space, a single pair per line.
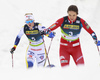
28,14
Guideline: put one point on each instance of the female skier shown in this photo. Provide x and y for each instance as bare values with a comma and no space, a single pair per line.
71,26
36,45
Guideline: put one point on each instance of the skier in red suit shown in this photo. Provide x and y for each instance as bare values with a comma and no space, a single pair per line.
71,26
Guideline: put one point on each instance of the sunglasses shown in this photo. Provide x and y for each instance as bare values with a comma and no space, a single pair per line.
30,21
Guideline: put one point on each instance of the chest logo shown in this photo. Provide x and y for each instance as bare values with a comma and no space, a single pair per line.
67,26
31,32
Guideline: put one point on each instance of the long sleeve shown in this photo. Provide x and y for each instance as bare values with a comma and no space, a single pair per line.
89,30
56,24
17,40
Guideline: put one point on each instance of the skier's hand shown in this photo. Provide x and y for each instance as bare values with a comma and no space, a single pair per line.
52,35
12,50
47,31
98,43
44,32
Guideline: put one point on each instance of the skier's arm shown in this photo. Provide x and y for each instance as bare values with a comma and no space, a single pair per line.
53,26
17,40
56,24
42,29
89,30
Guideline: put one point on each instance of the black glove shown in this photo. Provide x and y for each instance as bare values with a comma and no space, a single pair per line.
12,50
42,32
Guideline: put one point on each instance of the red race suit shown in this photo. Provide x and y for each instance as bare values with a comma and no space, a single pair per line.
69,43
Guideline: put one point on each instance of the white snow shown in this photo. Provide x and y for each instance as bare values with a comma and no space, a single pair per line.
47,12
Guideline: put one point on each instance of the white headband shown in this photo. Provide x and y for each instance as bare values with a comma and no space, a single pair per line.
29,17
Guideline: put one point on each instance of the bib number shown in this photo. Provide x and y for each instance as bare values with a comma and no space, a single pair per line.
70,33
33,38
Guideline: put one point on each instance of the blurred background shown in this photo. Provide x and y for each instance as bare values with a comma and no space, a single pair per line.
47,12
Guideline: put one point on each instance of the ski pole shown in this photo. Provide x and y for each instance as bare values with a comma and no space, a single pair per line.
50,45
50,65
98,50
46,51
12,60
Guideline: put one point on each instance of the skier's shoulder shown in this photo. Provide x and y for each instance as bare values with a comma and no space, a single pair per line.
37,23
60,20
81,19
65,17
25,25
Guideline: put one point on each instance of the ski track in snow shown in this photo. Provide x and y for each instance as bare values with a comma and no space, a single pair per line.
47,12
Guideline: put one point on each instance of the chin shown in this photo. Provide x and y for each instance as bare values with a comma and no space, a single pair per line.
72,20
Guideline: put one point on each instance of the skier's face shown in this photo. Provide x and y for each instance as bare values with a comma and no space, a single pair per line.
30,23
72,15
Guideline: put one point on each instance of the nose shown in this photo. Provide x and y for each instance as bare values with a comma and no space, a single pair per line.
71,17
29,23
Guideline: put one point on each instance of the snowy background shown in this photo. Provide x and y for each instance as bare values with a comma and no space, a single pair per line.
47,12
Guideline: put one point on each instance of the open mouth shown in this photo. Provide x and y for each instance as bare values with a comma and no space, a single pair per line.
30,25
